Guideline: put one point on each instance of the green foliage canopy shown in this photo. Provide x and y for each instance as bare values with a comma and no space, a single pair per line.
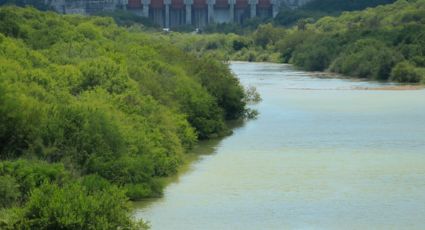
366,44
93,114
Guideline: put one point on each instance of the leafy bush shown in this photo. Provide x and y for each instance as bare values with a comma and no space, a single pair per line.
9,191
73,207
28,175
239,44
139,191
406,72
316,53
266,34
94,182
367,59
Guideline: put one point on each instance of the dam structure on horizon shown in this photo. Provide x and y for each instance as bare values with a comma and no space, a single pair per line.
173,13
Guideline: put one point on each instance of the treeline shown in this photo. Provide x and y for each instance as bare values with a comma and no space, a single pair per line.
382,43
92,114
256,46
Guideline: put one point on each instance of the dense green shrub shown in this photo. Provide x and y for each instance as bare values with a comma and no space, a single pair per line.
406,72
74,207
367,59
53,200
9,191
140,191
94,182
267,35
218,81
316,53
287,45
29,175
240,43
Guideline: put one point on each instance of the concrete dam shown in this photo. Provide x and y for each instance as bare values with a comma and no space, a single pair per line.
172,13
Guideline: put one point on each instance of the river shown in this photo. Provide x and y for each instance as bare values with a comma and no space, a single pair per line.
323,154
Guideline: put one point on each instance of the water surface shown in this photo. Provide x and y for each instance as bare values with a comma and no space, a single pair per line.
320,156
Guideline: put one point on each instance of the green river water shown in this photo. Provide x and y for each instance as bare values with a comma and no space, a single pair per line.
323,154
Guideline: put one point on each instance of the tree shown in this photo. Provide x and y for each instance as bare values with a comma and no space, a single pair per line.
266,34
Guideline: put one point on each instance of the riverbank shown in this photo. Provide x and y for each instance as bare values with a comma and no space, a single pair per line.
386,85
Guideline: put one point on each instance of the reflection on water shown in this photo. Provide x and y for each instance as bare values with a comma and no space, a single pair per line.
316,158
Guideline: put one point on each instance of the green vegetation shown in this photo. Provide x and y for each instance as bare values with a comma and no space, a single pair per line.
382,43
258,46
128,18
407,72
92,114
